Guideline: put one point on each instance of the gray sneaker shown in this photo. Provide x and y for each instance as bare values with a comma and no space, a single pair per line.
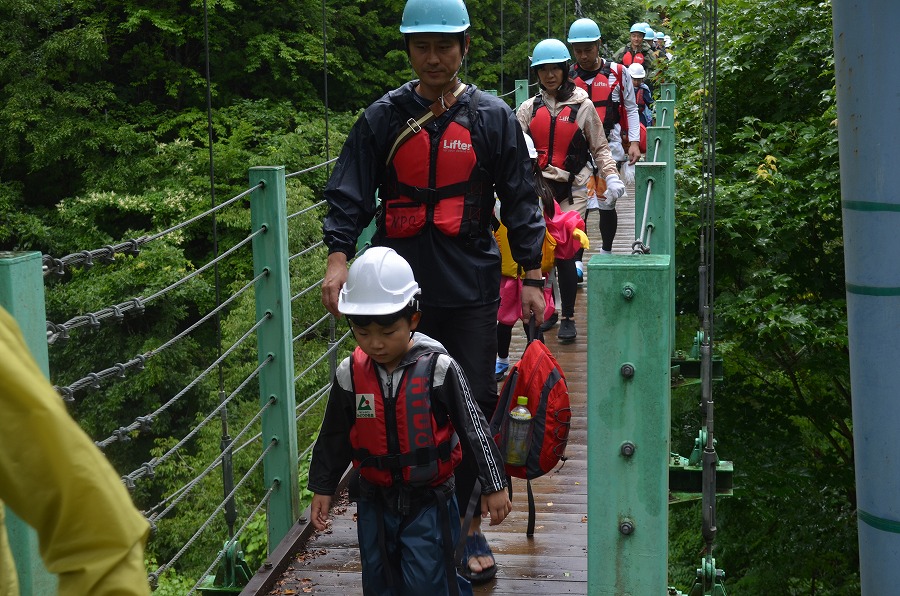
567,332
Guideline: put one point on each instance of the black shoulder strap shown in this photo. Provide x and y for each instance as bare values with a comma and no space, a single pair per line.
536,105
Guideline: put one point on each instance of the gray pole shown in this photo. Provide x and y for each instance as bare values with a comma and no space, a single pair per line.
869,135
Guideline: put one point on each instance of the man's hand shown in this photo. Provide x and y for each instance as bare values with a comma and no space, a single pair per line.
634,152
335,276
318,511
497,505
533,299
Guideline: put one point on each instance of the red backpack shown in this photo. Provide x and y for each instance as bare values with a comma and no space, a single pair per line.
539,377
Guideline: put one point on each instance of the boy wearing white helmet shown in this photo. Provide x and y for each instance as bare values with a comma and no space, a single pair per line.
642,95
435,151
400,410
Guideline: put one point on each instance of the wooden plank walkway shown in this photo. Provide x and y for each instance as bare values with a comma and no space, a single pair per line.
554,561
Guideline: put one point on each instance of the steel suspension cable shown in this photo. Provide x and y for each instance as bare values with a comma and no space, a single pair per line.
707,285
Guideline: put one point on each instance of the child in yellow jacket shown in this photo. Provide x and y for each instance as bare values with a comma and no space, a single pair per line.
564,237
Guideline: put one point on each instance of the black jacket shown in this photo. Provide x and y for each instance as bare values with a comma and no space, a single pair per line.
452,272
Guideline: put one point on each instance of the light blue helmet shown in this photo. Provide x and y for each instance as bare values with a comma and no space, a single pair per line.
660,35
649,34
434,16
584,30
550,51
639,28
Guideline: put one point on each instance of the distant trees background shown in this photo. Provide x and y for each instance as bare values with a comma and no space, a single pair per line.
103,113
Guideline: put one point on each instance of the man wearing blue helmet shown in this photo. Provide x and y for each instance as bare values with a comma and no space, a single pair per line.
638,50
435,151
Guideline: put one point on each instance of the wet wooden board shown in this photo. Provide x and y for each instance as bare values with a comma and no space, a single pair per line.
554,561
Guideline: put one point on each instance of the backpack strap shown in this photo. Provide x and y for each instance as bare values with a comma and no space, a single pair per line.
414,125
474,499
529,531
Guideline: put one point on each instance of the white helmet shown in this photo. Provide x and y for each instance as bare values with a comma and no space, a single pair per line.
380,282
532,152
636,71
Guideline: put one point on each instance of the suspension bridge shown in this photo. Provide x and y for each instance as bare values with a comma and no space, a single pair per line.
602,525
258,468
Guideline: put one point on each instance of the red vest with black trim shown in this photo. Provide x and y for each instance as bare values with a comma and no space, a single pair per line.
600,92
435,180
632,57
559,140
398,440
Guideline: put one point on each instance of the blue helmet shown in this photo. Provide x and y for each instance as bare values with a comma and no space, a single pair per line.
639,28
550,51
660,35
434,16
584,30
649,35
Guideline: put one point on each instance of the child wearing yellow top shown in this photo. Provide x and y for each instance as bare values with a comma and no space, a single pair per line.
564,237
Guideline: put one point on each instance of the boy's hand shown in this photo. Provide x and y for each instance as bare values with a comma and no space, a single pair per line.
321,505
497,505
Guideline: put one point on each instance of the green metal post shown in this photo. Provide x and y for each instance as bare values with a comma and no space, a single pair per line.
660,218
274,339
665,112
628,424
521,91
22,295
667,91
661,145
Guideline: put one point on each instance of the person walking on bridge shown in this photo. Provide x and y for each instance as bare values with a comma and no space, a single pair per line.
435,150
55,479
572,149
400,410
638,50
610,89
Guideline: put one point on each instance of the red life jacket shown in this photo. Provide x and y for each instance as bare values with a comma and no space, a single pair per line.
639,97
436,182
600,92
559,140
632,57
399,440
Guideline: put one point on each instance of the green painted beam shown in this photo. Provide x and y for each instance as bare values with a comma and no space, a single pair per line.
274,339
22,295
521,91
629,298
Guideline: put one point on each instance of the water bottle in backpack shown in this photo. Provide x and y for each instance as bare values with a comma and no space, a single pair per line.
518,436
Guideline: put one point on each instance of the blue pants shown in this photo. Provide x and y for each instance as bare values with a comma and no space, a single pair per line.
415,551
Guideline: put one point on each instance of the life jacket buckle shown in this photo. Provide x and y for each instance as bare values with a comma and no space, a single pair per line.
413,125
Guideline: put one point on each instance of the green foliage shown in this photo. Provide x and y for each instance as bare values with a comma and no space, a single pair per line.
783,412
107,138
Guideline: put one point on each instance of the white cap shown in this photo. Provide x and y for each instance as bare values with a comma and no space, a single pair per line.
636,71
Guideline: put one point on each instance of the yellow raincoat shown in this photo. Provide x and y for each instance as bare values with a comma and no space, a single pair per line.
54,478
